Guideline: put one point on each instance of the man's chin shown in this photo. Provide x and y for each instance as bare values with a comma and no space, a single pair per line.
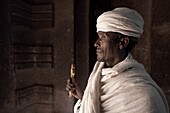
99,59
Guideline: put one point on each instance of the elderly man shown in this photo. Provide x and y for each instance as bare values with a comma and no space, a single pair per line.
118,83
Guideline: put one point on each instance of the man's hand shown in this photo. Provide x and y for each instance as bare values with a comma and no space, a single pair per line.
74,87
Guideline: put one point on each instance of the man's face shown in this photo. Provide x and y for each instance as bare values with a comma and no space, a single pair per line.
106,47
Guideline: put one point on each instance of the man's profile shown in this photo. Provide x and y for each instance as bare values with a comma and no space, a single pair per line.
118,83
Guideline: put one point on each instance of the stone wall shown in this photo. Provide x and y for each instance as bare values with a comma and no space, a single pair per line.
160,45
7,86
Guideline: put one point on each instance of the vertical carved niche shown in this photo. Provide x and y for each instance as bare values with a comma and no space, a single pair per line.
32,21
33,56
32,13
27,17
35,99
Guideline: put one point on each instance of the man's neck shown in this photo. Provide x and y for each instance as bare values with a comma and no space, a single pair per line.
116,60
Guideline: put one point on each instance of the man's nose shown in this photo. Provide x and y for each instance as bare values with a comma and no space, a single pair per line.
96,44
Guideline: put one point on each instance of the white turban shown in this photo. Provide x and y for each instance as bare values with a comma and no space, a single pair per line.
122,20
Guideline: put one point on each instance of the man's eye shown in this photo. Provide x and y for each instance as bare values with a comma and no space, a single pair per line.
103,37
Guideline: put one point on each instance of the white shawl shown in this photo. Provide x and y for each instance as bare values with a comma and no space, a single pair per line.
125,88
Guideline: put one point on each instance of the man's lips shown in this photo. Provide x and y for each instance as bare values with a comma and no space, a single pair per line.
98,50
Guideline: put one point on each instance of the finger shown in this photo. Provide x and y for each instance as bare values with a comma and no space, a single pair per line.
70,87
69,82
67,88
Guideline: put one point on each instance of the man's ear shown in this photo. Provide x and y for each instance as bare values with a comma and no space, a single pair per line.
123,42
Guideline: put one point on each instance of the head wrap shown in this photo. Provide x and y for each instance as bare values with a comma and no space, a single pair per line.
122,20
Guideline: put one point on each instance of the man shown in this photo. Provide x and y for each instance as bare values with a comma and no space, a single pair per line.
118,83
